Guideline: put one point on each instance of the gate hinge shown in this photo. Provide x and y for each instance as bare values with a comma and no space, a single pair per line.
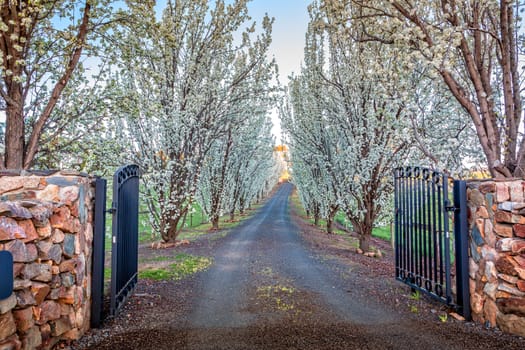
112,210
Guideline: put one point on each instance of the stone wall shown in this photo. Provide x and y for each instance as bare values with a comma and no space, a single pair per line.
497,253
46,223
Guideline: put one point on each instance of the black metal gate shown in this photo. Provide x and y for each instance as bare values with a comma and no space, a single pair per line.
124,244
124,251
425,251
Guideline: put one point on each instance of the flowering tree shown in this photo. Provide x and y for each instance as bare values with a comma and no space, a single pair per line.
473,46
182,79
351,130
237,168
41,51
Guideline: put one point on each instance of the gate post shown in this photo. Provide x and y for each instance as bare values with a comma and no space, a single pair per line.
99,234
461,245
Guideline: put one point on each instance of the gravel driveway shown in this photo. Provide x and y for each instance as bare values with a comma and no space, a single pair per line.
270,288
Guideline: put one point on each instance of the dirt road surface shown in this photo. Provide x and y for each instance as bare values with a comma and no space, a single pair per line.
269,288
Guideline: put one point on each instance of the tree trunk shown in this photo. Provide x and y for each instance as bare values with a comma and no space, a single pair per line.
169,229
364,241
14,134
316,219
330,219
329,226
215,222
232,215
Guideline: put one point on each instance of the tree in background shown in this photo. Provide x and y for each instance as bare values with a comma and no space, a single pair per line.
353,129
183,80
41,52
474,47
237,167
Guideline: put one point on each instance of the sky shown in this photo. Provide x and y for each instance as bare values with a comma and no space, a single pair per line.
291,21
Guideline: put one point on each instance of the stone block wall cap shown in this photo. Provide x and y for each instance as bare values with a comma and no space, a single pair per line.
48,172
508,179
10,172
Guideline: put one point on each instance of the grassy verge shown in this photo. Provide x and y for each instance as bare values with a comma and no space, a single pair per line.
177,267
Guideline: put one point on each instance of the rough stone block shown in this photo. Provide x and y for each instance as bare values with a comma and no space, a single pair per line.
49,194
58,236
504,287
63,220
68,279
19,284
32,339
519,230
50,310
60,326
22,252
69,194
68,265
10,343
40,291
482,212
9,230
45,332
511,324
38,272
490,311
507,278
505,217
503,230
49,251
509,244
490,272
44,232
25,298
69,245
518,246
67,295
516,192
490,236
512,306
520,260
476,198
502,192
477,236
505,206
9,184
506,265
41,215
521,285
474,253
487,187
14,210
489,197
476,303
473,268
17,269
8,304
29,229
490,290
488,253
24,319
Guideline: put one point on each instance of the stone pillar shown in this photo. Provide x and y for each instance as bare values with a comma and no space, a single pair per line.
497,253
46,222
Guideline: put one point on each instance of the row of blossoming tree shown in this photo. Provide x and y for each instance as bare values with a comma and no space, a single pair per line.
383,82
184,92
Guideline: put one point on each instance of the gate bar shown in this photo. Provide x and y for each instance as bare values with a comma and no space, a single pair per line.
461,242
97,283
